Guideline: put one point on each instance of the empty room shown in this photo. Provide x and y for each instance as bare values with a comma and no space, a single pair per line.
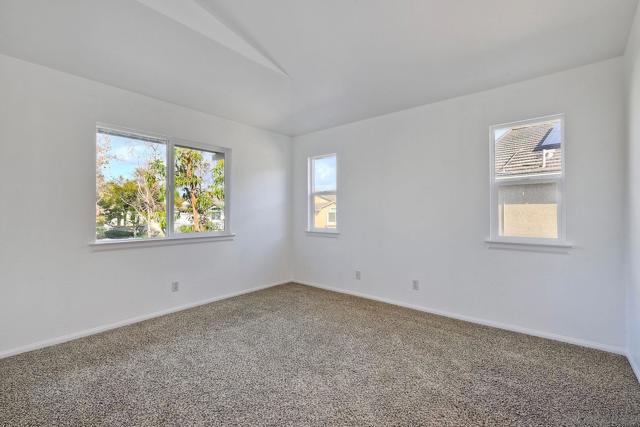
319,213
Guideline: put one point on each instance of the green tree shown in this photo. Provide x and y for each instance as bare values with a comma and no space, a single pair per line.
191,169
116,201
132,200
217,173
150,196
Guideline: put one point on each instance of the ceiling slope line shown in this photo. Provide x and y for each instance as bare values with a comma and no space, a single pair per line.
191,14
232,26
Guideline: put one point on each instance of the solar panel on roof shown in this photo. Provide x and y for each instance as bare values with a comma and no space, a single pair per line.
553,138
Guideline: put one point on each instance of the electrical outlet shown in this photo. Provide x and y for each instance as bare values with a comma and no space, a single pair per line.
358,275
416,285
175,286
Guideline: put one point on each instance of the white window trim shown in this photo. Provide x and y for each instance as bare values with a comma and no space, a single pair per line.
311,194
172,237
557,178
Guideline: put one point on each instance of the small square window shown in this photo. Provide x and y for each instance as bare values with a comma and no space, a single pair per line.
331,217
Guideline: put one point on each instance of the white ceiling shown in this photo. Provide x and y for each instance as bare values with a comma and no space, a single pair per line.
294,66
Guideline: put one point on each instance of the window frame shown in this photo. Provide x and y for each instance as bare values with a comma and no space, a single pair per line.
311,193
496,183
171,143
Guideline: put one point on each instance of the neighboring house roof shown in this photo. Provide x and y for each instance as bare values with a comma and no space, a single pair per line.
522,150
327,200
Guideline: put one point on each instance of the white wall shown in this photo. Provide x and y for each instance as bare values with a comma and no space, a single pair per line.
413,202
632,72
51,282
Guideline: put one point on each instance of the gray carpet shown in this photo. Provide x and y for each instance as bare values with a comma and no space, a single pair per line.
298,356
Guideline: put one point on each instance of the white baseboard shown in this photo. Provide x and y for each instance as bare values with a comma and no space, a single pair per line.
130,321
491,323
634,365
73,336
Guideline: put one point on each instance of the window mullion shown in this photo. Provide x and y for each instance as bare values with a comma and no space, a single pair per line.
170,179
311,211
227,192
528,181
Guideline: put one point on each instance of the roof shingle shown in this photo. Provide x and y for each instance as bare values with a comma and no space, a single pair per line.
522,150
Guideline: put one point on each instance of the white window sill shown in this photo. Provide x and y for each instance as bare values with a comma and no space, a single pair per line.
163,241
540,246
318,233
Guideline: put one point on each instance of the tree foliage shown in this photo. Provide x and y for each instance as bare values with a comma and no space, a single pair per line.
116,202
132,206
199,189
135,206
150,196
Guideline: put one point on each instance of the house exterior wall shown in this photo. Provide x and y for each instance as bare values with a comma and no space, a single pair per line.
528,210
321,217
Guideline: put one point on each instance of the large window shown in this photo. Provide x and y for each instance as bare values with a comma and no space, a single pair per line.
527,181
139,197
323,198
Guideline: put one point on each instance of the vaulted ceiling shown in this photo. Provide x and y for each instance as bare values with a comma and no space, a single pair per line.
295,66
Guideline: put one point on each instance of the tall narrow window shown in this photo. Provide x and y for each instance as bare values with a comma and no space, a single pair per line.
323,214
154,187
528,181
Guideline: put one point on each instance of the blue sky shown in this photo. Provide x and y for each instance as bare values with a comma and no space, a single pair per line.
499,132
126,155
325,173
